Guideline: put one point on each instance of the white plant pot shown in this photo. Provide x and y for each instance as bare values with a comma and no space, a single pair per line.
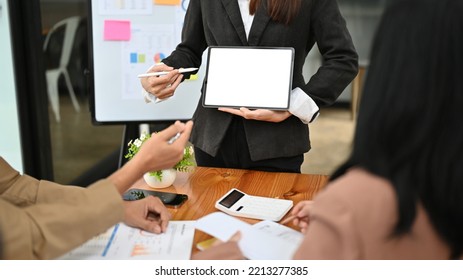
168,178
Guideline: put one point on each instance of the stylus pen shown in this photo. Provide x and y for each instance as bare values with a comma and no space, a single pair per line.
151,74
287,220
175,137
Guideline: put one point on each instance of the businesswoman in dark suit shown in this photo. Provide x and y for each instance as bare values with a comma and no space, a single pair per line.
261,139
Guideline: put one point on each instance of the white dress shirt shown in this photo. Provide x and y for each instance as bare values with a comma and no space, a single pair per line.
300,105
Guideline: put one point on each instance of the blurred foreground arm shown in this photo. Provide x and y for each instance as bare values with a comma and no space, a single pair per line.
155,154
40,219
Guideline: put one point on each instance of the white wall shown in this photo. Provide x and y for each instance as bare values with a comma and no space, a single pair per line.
10,140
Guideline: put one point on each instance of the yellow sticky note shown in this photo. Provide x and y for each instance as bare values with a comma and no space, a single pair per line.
166,2
203,245
193,77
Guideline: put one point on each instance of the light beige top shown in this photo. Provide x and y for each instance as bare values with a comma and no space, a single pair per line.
43,220
353,218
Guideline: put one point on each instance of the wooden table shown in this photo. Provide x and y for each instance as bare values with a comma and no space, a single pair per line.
204,186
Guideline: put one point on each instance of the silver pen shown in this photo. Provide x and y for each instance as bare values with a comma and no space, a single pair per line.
175,137
162,73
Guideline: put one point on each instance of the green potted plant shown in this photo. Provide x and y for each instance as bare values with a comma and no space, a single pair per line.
161,178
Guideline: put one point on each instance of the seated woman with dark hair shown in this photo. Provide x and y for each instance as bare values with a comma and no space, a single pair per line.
400,194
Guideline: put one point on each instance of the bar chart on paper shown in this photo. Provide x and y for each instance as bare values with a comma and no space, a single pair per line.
123,242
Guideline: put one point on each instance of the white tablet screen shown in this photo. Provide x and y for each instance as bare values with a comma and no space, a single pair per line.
249,77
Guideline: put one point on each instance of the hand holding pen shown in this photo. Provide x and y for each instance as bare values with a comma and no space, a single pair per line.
164,149
300,215
163,85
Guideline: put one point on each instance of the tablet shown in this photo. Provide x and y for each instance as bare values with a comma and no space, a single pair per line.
251,77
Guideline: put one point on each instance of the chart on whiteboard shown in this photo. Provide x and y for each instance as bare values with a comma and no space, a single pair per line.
128,37
149,44
125,7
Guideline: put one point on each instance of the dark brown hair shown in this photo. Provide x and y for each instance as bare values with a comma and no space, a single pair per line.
409,124
279,10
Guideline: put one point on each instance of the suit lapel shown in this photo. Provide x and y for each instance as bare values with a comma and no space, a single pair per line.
233,11
261,19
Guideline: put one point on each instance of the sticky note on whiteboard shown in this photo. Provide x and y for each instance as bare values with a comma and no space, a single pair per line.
167,2
117,30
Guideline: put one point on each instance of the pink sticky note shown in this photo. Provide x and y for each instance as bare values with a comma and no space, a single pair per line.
116,30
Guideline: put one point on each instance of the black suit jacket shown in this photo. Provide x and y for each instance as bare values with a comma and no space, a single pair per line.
219,23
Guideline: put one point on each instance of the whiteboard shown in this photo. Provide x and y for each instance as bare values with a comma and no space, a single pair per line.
10,147
126,38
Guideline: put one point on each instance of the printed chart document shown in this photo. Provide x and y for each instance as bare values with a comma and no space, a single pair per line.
124,242
265,240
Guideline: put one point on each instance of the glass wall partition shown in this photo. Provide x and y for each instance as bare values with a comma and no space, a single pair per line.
362,18
81,151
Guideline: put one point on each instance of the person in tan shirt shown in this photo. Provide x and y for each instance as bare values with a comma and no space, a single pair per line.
43,220
400,193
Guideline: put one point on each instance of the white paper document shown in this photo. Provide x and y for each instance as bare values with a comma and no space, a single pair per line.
265,240
124,242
